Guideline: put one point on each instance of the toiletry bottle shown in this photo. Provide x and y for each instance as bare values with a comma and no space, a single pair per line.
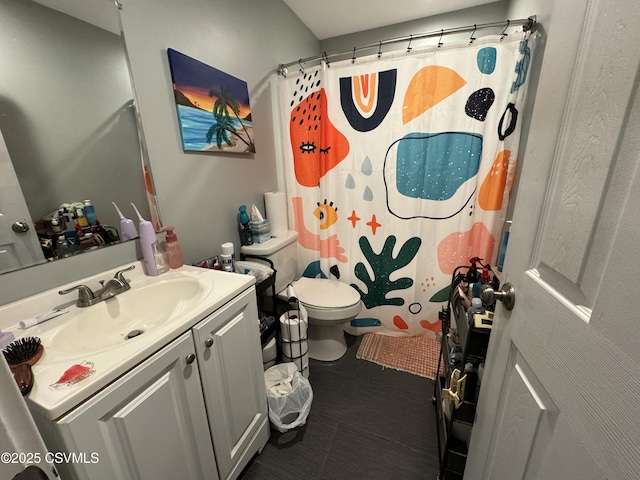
246,237
55,225
153,258
472,381
90,212
81,219
227,257
127,228
173,250
475,308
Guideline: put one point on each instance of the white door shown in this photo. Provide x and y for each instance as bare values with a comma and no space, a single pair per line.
561,394
17,249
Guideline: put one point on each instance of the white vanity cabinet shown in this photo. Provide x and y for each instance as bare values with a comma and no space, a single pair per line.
196,409
230,362
151,423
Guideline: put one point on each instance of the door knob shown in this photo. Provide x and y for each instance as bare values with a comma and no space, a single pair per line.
507,295
20,227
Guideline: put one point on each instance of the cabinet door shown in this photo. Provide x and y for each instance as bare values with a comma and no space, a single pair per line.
230,360
149,424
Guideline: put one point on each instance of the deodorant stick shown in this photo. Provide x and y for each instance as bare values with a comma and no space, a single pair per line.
227,257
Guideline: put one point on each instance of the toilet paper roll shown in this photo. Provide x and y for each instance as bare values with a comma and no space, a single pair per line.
293,325
296,349
275,204
269,351
302,364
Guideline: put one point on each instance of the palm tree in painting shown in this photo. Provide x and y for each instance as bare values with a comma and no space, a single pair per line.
224,123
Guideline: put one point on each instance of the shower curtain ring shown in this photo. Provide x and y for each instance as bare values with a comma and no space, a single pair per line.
379,49
504,34
472,38
409,46
440,39
353,58
301,67
325,59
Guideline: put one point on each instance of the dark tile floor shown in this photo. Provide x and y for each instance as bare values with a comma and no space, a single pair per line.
366,423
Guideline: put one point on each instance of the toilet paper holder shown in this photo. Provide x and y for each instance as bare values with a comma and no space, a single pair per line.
293,333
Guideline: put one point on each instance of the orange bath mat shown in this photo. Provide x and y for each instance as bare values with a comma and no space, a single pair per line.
417,355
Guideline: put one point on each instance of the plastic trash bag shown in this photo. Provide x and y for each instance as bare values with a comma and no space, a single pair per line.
289,396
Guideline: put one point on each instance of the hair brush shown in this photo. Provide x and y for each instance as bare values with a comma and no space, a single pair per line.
21,355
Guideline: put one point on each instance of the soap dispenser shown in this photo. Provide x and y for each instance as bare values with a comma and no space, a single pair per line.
173,250
153,258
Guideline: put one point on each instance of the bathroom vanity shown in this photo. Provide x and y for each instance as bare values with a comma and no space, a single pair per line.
183,399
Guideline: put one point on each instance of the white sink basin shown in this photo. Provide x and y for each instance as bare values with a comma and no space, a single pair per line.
125,317
162,308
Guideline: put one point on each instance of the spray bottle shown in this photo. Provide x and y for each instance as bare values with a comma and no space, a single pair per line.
154,261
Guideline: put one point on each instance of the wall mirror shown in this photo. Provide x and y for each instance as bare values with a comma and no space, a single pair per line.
68,123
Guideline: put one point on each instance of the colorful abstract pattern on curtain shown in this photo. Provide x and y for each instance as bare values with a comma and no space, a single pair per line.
399,169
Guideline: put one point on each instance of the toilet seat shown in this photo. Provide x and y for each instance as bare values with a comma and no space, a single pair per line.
329,305
327,300
324,293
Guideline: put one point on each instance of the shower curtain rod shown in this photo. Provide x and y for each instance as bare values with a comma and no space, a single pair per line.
527,24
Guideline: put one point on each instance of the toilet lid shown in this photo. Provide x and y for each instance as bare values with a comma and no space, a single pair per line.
325,293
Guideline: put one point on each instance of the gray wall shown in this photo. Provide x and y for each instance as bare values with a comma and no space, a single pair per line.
199,193
64,91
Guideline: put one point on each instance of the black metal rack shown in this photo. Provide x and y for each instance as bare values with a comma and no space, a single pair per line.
263,309
454,423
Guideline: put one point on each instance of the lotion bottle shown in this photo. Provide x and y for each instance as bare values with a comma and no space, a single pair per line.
173,250
154,261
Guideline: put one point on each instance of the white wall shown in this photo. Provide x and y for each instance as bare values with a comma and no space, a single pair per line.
492,12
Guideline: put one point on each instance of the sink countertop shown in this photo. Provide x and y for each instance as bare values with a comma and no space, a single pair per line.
217,288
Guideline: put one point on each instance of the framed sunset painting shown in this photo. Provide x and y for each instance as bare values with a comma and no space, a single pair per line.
213,107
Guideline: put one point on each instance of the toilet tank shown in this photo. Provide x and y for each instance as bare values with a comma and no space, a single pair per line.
282,251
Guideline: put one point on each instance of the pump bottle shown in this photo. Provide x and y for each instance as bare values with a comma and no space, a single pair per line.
173,250
246,238
154,261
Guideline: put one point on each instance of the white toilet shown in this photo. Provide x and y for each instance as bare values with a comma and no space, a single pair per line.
329,303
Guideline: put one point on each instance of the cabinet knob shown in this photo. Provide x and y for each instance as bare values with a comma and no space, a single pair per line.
208,342
190,358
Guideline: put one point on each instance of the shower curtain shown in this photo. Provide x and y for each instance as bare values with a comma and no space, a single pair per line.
399,168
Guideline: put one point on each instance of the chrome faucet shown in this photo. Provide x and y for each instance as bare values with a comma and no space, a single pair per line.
114,286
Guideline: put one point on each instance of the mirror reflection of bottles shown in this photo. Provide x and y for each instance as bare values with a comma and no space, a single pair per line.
90,212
